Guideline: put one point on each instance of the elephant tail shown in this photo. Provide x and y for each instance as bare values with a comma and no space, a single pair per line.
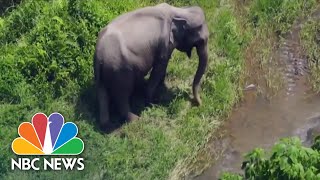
104,102
102,94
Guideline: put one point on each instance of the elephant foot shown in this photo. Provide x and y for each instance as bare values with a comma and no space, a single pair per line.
106,127
139,88
147,100
132,117
196,102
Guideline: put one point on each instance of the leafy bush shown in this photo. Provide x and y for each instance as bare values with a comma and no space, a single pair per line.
288,160
20,21
55,42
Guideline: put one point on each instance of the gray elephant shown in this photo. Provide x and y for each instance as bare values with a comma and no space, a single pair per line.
138,41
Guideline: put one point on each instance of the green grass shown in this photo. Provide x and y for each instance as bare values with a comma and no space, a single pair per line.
267,23
310,39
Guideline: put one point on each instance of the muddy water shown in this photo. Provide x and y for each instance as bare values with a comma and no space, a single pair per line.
259,122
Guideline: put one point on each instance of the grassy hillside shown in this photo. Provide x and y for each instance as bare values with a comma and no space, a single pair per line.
46,50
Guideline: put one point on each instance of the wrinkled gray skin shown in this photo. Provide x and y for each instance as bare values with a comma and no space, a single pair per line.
141,40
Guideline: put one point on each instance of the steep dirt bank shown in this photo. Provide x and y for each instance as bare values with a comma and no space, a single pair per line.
259,122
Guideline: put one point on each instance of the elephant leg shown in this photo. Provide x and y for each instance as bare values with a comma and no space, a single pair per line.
139,87
121,91
155,97
161,83
157,76
103,107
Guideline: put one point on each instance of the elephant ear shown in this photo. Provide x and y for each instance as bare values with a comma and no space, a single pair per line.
178,29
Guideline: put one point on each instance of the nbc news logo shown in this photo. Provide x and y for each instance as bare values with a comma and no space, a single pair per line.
47,136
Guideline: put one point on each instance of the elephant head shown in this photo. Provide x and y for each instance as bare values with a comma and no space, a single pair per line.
188,30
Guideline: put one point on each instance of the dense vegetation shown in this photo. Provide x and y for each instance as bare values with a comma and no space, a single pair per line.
46,50
287,160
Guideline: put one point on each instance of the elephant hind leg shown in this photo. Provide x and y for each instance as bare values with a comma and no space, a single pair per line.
121,90
104,101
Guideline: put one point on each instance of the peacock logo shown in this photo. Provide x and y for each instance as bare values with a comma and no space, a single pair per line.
47,136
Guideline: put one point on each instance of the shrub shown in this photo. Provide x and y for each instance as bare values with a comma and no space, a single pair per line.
56,42
20,21
288,160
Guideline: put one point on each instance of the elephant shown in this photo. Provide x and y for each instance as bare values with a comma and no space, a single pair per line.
140,42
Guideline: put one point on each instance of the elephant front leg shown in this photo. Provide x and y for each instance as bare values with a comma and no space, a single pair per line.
122,103
157,77
161,83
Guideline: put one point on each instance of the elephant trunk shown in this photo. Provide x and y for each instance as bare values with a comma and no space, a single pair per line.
203,61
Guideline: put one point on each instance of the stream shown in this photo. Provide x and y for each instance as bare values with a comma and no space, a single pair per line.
259,122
